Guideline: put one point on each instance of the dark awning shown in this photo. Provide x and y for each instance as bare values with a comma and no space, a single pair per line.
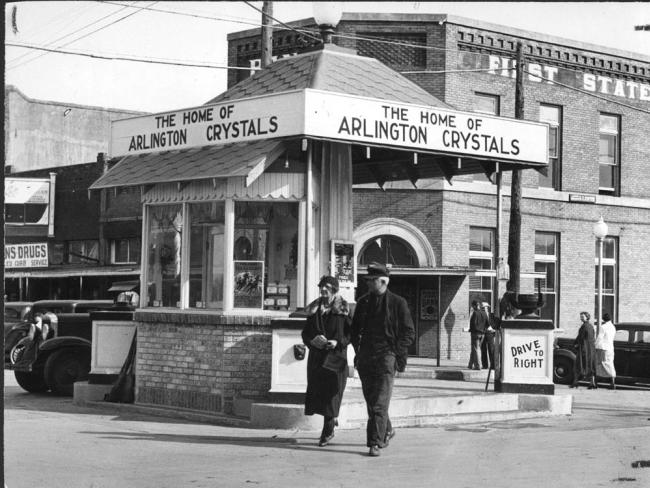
248,159
125,286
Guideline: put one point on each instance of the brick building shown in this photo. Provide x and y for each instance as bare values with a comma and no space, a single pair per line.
88,239
597,103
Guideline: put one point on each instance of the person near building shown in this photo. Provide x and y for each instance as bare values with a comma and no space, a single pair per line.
382,331
478,323
487,346
327,335
605,350
585,344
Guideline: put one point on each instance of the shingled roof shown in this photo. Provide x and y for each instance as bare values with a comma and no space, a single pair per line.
332,69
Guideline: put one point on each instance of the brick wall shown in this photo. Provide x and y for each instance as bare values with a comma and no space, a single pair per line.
202,361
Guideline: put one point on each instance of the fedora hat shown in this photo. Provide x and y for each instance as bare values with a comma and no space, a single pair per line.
376,270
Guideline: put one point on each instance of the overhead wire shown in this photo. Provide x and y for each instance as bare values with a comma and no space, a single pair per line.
279,21
49,43
87,34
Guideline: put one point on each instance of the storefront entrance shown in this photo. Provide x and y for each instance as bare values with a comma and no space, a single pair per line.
421,294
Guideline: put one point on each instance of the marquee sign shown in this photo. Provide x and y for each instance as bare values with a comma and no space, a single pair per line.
27,190
336,116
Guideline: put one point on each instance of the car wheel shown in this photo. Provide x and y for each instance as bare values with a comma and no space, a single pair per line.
11,341
16,352
31,382
562,370
65,367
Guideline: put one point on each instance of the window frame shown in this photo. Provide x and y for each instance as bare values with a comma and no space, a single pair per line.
473,293
608,262
616,167
133,242
555,162
550,259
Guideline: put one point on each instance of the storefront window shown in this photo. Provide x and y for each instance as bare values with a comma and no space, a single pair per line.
265,255
164,256
206,254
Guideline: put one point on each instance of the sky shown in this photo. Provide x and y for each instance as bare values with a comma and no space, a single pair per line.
126,29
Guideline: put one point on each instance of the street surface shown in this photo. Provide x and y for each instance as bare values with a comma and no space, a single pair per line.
49,442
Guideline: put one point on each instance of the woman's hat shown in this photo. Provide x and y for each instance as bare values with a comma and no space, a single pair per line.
329,280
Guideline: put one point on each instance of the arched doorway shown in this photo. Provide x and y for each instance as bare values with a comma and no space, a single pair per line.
407,250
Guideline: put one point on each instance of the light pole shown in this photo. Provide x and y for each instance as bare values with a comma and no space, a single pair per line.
600,231
327,15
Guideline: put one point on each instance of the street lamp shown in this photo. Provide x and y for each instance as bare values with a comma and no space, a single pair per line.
600,231
327,15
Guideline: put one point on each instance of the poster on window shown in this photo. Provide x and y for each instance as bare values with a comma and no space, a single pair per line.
249,284
342,262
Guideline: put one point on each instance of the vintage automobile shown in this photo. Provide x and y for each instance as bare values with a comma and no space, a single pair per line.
16,313
631,355
63,357
20,329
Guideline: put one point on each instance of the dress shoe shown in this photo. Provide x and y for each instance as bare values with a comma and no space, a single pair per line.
325,440
374,451
389,435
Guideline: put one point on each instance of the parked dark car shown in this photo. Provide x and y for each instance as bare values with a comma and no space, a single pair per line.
19,329
16,313
57,361
631,355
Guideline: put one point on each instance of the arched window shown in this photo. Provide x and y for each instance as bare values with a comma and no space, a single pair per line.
387,249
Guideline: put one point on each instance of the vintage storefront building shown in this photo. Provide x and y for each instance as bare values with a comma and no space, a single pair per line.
596,101
248,199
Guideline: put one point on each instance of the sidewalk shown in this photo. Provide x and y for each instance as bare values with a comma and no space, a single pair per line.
423,395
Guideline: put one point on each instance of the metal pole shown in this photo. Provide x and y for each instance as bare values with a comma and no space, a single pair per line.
600,285
439,323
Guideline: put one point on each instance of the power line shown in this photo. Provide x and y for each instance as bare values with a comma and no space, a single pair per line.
280,22
90,33
49,43
123,58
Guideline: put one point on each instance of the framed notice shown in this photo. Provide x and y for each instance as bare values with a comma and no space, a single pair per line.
343,265
249,284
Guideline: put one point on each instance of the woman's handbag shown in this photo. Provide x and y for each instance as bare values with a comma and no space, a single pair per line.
334,362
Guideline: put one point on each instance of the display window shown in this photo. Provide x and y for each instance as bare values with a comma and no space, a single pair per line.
207,227
164,256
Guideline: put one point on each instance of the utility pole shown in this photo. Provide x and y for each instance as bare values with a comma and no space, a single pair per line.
514,237
267,34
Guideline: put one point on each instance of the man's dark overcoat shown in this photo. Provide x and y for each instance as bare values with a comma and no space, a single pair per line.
398,325
324,387
585,345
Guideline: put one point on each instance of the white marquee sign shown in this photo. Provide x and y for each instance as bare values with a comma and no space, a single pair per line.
335,116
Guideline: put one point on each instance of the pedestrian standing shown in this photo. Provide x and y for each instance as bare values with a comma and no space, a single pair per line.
487,347
382,331
327,335
585,344
477,326
605,350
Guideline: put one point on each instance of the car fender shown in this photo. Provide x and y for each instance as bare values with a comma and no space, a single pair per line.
564,352
65,341
23,327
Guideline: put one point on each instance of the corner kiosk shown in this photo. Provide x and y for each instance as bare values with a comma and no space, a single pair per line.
248,200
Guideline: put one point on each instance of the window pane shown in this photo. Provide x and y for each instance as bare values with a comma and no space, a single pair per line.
91,250
135,245
608,123
206,254
164,256
548,284
388,250
544,243
75,251
14,213
548,309
606,176
480,240
488,104
35,213
268,232
609,248
553,142
122,251
550,114
607,149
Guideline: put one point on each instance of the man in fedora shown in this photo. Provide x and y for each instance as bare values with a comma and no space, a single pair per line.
382,331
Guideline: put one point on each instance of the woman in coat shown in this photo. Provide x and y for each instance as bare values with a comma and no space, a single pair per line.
327,335
585,344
